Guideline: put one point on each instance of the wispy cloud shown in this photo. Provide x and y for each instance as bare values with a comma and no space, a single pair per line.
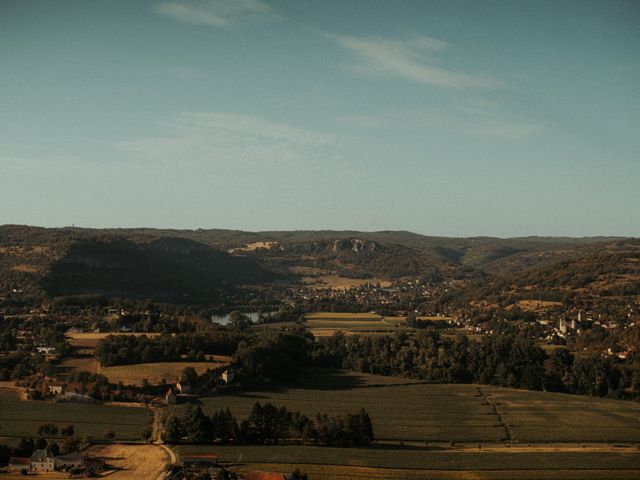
216,13
480,119
410,59
228,141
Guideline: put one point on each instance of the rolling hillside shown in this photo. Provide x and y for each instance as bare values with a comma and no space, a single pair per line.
192,265
60,262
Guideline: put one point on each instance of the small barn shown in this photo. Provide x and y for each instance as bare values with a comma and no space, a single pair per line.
19,463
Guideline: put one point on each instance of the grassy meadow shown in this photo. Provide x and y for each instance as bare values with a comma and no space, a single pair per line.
557,417
153,372
399,411
406,411
22,418
325,461
323,324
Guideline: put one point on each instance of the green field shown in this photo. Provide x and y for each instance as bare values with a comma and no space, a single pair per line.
403,412
324,324
430,459
22,418
154,373
443,413
557,417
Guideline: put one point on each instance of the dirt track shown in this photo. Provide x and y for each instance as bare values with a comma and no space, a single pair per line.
132,462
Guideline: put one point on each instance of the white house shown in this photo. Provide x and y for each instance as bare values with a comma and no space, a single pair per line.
43,460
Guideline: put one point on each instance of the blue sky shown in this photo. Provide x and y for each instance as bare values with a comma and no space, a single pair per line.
443,118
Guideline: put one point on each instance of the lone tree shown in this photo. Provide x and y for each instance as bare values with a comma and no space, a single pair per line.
109,434
68,431
189,375
47,430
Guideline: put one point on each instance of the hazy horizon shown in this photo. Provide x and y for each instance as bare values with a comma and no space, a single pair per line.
317,230
444,118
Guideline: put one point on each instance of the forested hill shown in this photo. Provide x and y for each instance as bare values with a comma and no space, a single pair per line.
191,265
62,262
612,269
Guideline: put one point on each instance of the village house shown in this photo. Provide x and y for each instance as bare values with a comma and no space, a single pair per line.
227,376
170,397
183,387
55,388
43,460
46,350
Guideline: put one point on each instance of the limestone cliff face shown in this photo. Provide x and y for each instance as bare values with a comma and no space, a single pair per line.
354,244
330,246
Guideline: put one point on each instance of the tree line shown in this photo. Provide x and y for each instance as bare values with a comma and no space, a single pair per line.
508,359
130,349
268,425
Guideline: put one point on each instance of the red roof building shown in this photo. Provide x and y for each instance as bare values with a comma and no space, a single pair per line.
256,475
18,463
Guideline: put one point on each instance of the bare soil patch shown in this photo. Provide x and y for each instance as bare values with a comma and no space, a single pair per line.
131,462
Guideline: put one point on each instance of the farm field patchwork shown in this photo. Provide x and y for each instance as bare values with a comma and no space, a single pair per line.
80,364
490,464
89,340
331,472
557,417
443,413
403,320
326,324
399,412
153,372
322,324
22,418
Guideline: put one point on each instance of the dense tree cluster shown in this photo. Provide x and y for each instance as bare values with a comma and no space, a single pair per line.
268,424
506,358
21,358
129,349
274,359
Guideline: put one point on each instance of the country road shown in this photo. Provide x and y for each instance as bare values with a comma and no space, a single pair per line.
133,462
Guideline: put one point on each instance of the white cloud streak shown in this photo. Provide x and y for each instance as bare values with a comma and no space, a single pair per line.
227,141
215,13
409,59
478,120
